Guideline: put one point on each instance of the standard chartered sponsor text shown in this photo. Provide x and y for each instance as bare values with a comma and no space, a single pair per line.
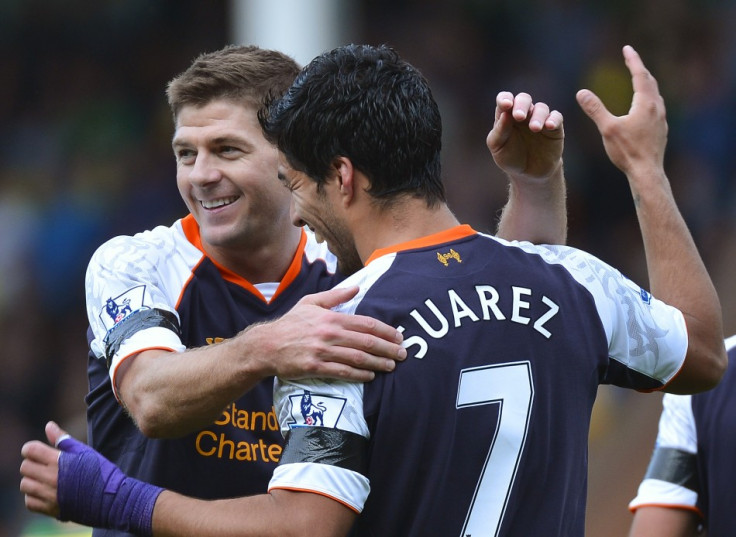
217,443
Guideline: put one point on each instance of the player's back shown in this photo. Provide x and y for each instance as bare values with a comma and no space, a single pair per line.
483,429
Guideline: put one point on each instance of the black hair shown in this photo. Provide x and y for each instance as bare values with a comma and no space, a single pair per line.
365,103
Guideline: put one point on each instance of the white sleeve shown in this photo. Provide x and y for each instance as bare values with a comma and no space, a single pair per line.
669,478
127,275
326,434
644,334
730,342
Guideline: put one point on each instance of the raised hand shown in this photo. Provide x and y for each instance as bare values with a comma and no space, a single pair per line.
527,137
637,139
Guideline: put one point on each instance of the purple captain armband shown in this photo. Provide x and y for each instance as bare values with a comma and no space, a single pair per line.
94,492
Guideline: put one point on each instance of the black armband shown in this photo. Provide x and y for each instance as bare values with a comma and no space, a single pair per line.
135,322
326,445
674,466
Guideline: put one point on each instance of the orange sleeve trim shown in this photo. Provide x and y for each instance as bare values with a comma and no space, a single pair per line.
295,489
127,357
668,506
452,234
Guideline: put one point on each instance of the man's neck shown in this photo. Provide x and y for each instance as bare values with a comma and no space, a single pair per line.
261,262
407,221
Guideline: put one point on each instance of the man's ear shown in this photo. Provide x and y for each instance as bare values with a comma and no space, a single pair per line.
345,176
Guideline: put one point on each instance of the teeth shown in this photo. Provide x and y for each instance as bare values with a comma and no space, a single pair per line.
213,204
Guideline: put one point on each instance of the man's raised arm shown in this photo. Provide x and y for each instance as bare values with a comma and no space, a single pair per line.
635,143
526,142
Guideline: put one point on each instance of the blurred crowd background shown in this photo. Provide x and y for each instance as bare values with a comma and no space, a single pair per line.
85,155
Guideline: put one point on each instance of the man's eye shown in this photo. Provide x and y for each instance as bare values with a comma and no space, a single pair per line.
284,181
229,150
184,155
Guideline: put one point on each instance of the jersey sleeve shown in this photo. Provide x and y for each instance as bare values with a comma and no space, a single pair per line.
326,440
645,335
671,478
131,305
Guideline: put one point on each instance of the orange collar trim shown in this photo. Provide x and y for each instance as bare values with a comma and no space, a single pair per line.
191,231
451,234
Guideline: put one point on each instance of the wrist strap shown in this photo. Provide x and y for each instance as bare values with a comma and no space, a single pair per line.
94,492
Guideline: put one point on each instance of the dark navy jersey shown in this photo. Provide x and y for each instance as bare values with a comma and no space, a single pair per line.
161,273
483,430
692,466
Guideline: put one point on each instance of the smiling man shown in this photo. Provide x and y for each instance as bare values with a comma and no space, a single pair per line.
181,359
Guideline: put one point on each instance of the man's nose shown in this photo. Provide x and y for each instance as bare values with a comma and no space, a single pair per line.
204,169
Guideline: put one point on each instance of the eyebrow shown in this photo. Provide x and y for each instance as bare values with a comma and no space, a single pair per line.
221,140
231,140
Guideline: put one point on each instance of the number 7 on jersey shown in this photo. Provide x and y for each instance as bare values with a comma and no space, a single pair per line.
511,386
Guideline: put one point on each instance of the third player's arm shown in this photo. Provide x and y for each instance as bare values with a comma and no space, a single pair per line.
526,142
635,143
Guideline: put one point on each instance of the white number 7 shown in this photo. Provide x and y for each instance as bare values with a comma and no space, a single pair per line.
511,386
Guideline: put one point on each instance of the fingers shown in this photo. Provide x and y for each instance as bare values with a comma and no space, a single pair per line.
645,89
542,118
593,107
39,498
363,344
647,100
382,338
330,299
40,474
312,340
54,433
642,80
39,453
522,108
519,105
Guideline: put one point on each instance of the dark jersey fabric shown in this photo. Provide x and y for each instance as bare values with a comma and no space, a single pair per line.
715,422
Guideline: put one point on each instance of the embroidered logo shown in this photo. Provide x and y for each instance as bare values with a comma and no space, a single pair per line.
645,296
119,307
308,409
452,254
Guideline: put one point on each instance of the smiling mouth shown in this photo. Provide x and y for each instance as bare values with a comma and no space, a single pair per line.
214,204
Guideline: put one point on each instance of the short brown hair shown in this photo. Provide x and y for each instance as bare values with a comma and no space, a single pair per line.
241,73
